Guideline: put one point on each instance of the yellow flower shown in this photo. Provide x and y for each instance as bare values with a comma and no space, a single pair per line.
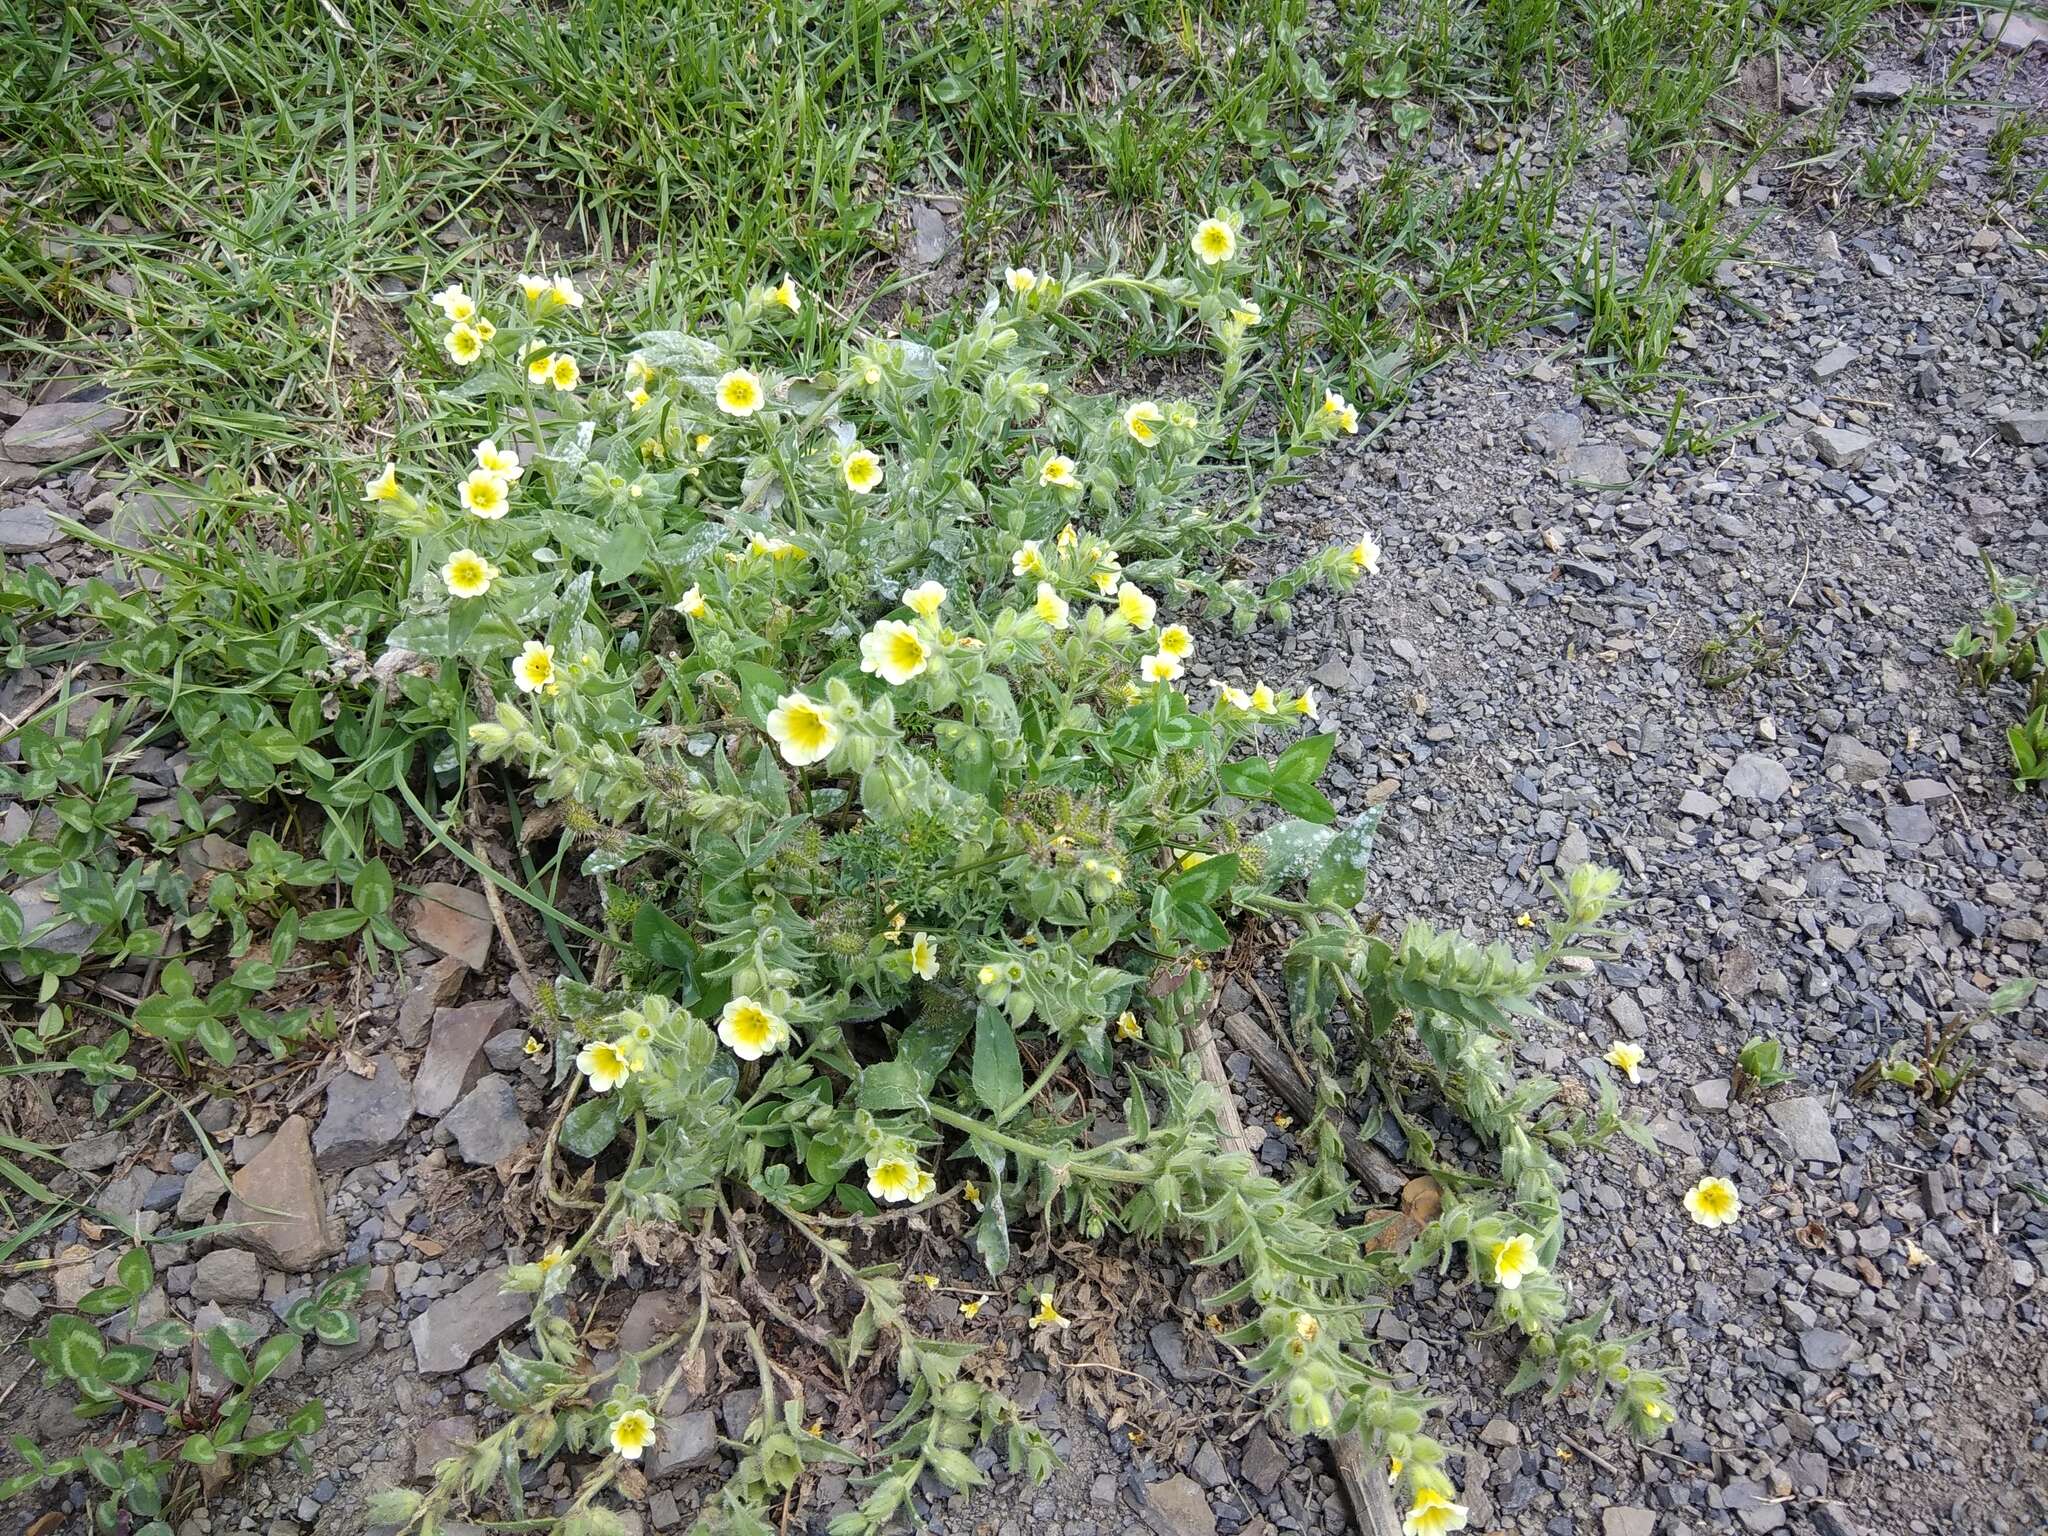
702,443
1364,556
1247,313
924,956
972,1309
565,293
1513,1260
604,1064
1159,668
739,392
1306,703
534,287
1058,470
632,1433
638,398
484,494
637,370
987,975
752,1030
1175,640
1524,920
382,487
1262,699
454,303
1142,420
1047,1315
563,372
785,293
863,471
774,548
1025,559
534,668
929,1282
1127,1027
483,328
550,1259
532,1047
1135,607
1233,696
1714,1202
1394,1465
894,651
1050,607
1432,1514
1019,280
1068,537
971,1193
803,730
539,366
1213,241
895,1180
463,344
692,605
502,462
1626,1056
468,574
924,599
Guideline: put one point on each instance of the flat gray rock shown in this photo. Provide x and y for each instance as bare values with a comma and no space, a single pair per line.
1599,464
366,1117
487,1125
1807,1131
27,527
448,1335
1756,777
63,429
2029,429
1840,447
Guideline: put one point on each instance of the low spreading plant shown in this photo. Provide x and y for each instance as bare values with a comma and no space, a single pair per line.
2000,646
211,1428
860,668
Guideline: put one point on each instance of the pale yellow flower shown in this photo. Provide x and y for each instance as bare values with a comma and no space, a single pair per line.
803,730
740,392
1159,668
1514,1259
453,302
1432,1514
1050,607
924,956
1213,242
1175,641
1135,607
1234,697
1364,556
532,1047
1714,1202
539,366
533,286
1068,537
1127,1026
604,1064
924,599
483,328
637,370
563,372
1057,470
1019,280
1306,703
1047,1315
382,487
1141,420
502,462
894,651
485,495
632,1433
692,604
468,574
1627,1057
1026,560
1247,313
565,293
863,471
896,1180
463,344
1262,699
638,398
751,1030
534,668
972,1309
785,294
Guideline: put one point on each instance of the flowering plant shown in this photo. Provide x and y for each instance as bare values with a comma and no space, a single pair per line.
864,670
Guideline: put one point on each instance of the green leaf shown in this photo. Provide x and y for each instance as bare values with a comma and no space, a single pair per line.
998,1071
326,927
662,940
1250,778
888,1086
1305,801
928,1046
134,1272
592,1125
199,1450
335,1328
1204,883
75,1348
228,1359
372,889
275,1351
1304,762
215,1040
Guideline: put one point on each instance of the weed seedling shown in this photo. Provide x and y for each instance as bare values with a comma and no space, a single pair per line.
1760,1067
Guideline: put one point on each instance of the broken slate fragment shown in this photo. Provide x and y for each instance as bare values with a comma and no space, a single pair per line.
1756,777
366,1117
278,1209
487,1125
454,920
1840,448
448,1335
62,429
1803,1125
1883,87
454,1058
1599,464
2027,429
